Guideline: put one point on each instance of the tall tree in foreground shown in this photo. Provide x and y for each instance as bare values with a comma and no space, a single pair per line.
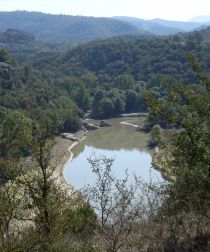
15,137
50,203
186,153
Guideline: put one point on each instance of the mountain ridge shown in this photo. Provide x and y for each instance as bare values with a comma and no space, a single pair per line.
72,29
149,26
162,27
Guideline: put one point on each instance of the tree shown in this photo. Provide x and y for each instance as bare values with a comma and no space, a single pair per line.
82,97
98,96
131,101
90,80
155,135
185,159
118,204
39,190
15,136
119,105
106,107
66,115
125,81
14,133
186,109
35,208
51,204
11,200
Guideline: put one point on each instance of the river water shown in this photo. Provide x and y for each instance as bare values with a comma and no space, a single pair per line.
122,142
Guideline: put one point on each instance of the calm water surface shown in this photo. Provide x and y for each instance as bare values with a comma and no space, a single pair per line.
123,143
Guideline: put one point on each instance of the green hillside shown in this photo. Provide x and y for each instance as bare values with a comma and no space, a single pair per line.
120,69
72,29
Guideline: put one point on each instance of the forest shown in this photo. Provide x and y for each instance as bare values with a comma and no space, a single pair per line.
106,76
46,88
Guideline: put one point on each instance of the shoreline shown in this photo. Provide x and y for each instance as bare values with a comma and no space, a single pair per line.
62,157
62,154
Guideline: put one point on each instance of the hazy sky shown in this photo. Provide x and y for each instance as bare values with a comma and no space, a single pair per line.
167,9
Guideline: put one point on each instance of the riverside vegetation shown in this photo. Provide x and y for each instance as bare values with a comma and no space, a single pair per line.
48,95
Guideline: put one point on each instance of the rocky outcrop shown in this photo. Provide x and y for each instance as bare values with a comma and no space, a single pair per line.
84,129
104,124
5,68
89,126
4,65
69,136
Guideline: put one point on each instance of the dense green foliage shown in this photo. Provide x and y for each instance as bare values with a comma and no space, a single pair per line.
113,68
24,89
14,132
107,76
144,59
185,156
188,108
23,46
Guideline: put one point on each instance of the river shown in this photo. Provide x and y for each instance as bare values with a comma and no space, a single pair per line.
122,142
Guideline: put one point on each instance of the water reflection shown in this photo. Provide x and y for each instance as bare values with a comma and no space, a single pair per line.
117,137
122,142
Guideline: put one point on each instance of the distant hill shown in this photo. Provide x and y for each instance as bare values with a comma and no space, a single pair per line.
160,26
184,26
71,29
81,29
150,26
200,19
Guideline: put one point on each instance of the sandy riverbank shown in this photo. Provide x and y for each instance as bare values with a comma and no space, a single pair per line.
130,124
62,156
138,122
